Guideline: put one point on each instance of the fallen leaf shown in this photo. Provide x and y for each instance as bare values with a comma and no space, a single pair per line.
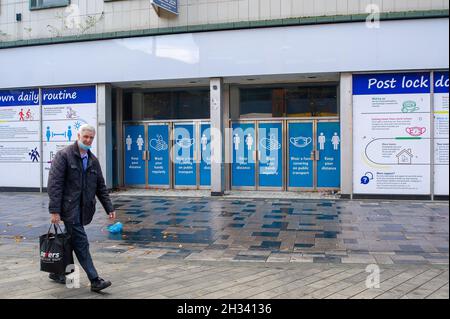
18,238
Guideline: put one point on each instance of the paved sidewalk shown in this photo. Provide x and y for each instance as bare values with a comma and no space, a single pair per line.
219,248
136,276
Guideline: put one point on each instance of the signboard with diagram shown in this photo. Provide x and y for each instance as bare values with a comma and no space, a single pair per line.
64,110
20,153
441,151
391,135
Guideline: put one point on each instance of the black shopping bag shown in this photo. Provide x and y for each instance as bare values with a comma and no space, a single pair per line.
55,251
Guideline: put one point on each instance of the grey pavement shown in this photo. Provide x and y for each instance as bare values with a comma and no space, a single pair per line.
209,248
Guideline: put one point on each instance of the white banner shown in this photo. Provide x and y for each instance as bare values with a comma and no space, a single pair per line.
64,110
391,134
20,153
441,151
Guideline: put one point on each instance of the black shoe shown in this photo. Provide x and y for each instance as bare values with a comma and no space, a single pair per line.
99,284
61,279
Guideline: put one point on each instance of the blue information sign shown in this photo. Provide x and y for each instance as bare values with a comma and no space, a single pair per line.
20,97
134,146
391,83
159,161
243,166
69,95
329,147
205,151
441,83
168,5
271,160
185,167
301,145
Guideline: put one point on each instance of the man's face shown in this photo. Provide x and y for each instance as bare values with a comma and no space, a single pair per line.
87,137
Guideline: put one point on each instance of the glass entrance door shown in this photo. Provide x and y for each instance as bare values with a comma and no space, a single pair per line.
185,141
134,155
257,155
192,155
328,155
270,155
166,155
292,155
313,155
301,148
158,156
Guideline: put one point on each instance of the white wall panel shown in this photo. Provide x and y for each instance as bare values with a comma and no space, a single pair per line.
351,47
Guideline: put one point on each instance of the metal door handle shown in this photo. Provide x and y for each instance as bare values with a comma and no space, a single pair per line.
144,155
317,155
313,155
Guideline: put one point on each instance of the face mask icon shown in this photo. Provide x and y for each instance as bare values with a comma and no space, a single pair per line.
409,107
185,142
300,141
416,131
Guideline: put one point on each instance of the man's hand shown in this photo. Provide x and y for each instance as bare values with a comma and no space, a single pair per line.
55,219
112,215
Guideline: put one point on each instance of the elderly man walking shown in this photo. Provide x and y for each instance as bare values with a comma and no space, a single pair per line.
74,180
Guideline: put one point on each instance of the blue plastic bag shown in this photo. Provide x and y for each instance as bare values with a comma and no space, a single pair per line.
115,228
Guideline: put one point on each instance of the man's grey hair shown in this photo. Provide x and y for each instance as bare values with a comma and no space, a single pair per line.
86,127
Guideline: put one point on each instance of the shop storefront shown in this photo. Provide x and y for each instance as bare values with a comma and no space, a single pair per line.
229,111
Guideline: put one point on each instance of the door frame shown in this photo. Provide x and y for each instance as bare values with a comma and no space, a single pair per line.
124,125
153,186
199,124
171,126
340,148
257,155
314,162
283,155
285,147
247,188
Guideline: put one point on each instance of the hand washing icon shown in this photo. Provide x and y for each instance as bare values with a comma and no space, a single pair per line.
300,141
158,143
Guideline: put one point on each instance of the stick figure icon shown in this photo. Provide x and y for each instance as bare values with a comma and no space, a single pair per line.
321,141
34,155
204,142
48,134
140,142
335,140
236,141
69,133
249,141
128,141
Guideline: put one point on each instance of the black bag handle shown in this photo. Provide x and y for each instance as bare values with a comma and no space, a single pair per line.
56,232
56,229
